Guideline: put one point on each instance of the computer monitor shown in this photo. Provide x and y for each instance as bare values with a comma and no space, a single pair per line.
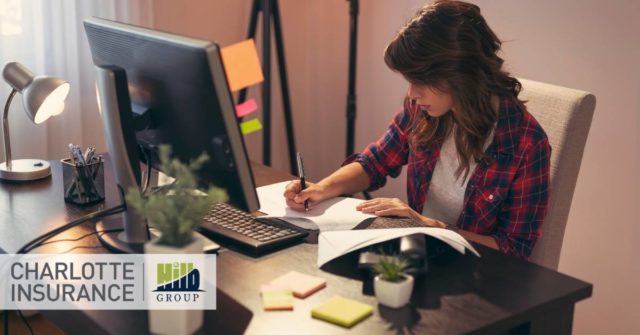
181,84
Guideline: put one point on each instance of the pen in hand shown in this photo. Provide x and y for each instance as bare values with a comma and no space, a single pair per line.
302,183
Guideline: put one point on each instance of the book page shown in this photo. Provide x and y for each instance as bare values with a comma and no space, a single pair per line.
334,214
333,244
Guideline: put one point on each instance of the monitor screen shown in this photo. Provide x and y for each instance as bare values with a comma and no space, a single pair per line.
182,85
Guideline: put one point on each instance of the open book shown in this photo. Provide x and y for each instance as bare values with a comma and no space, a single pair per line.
336,217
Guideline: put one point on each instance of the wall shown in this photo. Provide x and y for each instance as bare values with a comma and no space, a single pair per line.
588,45
592,46
315,39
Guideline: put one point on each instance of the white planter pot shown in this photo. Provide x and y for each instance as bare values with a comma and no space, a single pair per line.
181,322
394,295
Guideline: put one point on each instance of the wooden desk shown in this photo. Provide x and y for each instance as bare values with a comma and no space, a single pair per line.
488,295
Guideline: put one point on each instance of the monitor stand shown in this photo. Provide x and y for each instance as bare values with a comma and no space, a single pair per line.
117,120
114,238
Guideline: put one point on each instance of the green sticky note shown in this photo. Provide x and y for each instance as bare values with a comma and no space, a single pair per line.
248,127
277,300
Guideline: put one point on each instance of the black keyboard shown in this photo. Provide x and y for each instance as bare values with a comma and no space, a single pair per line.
254,234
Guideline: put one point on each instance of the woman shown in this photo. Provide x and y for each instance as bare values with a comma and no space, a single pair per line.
477,160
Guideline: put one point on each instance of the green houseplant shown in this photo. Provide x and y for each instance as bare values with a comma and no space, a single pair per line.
176,209
392,285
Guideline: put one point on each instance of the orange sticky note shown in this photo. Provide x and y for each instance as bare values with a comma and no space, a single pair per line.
242,65
246,108
301,284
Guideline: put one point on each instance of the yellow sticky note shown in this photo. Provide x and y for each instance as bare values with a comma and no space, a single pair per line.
248,127
242,65
342,311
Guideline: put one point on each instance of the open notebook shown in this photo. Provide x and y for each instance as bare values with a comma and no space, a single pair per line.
336,214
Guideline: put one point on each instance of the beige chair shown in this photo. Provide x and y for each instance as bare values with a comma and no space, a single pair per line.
565,114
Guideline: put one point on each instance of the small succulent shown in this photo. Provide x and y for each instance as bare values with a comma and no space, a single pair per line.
176,209
391,268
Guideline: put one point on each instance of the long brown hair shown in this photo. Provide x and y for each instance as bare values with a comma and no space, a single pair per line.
449,46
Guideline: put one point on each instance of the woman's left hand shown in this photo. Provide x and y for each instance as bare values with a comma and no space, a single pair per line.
395,207
387,207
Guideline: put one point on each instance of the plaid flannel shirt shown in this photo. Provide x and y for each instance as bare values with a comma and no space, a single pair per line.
506,197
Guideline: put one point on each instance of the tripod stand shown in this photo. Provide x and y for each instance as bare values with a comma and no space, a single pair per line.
270,11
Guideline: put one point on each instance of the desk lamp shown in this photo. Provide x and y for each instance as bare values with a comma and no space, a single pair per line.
42,97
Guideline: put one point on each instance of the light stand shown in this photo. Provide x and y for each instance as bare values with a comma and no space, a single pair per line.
351,90
354,9
270,11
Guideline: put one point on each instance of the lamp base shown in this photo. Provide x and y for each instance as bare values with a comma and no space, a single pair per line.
25,170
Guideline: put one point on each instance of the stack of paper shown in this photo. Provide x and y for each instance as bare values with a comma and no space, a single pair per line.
342,311
335,214
333,244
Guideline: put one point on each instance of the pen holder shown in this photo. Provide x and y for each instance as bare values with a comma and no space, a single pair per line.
83,184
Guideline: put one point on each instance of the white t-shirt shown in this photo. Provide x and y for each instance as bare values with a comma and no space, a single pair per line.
445,196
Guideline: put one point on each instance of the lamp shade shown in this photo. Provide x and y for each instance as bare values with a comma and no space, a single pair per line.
42,96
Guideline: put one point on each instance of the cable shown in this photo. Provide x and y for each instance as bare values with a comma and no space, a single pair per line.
79,238
25,321
41,240
95,215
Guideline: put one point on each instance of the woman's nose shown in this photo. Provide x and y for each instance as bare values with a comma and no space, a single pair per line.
413,93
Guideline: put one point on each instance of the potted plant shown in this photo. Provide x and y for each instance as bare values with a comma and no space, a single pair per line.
175,210
392,286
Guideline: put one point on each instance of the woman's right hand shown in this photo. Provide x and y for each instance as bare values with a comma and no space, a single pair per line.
314,193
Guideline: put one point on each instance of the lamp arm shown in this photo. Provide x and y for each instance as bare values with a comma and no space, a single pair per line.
5,126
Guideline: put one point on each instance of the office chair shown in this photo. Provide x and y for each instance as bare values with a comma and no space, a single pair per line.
565,114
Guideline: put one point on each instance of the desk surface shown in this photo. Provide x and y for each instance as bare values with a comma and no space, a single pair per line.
492,294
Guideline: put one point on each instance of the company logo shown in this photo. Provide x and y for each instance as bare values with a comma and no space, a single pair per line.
177,277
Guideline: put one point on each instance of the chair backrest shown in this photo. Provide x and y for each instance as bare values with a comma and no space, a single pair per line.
565,114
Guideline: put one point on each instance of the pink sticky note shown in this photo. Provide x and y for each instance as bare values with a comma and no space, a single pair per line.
246,108
302,285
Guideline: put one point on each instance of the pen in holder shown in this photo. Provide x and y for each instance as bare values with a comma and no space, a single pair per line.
83,184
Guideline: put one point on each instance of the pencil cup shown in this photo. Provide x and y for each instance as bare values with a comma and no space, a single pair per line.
83,184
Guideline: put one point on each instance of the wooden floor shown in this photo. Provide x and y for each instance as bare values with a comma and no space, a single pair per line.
38,323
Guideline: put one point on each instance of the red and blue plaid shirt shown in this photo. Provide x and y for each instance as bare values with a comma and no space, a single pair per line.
506,196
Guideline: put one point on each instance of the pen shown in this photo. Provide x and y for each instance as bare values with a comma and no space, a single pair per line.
302,183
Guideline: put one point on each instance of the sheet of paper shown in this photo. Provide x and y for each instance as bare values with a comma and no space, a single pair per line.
242,65
333,244
335,214
248,127
246,108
